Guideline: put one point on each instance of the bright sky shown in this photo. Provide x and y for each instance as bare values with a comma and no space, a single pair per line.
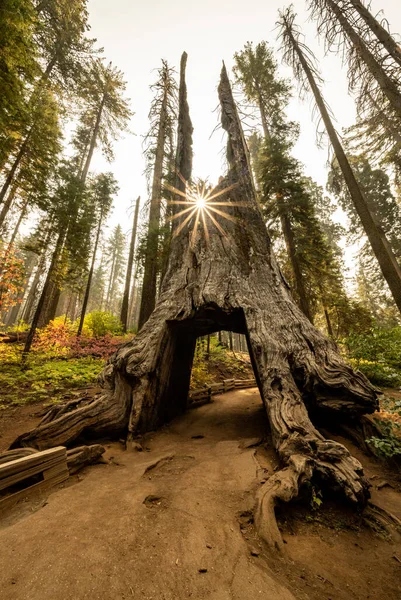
137,35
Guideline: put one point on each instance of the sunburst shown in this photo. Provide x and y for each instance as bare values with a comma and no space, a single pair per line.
200,206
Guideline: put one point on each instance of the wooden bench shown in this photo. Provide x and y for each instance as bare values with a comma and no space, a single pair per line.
50,464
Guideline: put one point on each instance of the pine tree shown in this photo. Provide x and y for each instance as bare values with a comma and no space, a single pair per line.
386,210
19,66
379,196
36,165
373,58
105,115
301,59
284,191
60,44
126,298
102,189
162,115
369,75
115,250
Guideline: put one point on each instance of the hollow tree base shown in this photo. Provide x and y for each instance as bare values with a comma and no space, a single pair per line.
230,280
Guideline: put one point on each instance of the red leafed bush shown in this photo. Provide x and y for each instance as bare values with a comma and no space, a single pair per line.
98,347
59,338
55,336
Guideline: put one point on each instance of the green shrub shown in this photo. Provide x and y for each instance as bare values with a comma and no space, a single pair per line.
377,354
378,373
20,327
388,446
99,324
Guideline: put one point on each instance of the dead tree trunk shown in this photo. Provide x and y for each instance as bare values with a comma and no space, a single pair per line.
386,83
380,245
149,285
125,302
379,31
230,282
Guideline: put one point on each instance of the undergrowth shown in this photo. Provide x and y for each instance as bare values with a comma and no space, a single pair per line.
43,378
377,354
219,364
59,361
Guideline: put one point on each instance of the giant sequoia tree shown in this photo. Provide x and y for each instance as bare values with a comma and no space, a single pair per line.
228,279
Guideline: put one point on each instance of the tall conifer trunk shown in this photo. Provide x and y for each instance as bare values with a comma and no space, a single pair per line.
16,163
387,85
44,294
379,31
90,277
8,203
378,241
287,230
292,254
125,301
149,286
21,217
94,136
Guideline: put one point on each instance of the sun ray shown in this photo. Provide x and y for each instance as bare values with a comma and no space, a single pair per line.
187,202
182,225
181,213
175,190
224,191
205,226
244,204
222,214
219,227
201,204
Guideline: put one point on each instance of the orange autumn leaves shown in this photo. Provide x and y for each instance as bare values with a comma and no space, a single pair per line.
12,277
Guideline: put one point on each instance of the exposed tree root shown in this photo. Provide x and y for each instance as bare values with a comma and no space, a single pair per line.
282,486
105,415
384,517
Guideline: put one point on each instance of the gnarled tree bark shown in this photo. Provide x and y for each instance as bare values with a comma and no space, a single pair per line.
230,282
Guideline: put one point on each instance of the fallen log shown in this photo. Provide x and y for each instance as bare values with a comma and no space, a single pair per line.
13,337
82,456
9,455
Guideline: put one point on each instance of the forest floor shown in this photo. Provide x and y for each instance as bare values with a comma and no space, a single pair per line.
175,522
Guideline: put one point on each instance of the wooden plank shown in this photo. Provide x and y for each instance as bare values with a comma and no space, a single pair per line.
55,471
217,386
35,470
198,393
25,463
202,397
42,486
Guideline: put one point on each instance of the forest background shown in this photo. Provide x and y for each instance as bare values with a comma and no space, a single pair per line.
82,260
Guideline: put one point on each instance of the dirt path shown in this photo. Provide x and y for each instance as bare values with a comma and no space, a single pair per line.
174,522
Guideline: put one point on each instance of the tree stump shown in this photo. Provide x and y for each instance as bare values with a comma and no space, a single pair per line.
230,281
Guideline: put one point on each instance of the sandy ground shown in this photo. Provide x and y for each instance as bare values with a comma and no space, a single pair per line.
174,522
